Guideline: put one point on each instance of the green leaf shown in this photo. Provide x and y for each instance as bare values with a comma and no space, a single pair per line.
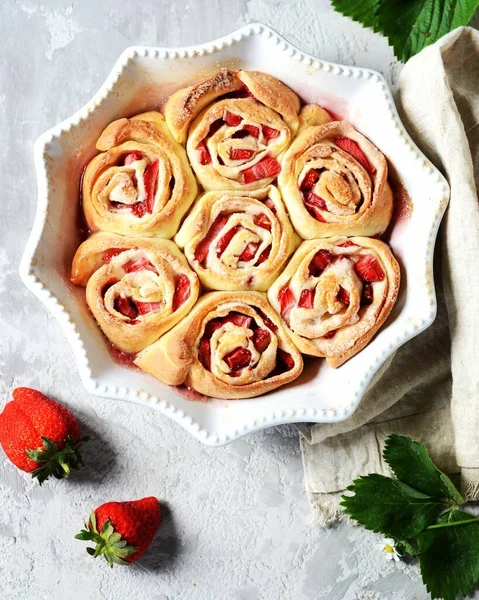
411,25
363,11
405,548
388,506
449,556
409,460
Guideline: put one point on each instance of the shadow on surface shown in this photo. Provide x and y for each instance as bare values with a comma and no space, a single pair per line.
165,547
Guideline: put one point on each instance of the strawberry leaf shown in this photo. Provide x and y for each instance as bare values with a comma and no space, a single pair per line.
409,460
363,11
449,555
391,507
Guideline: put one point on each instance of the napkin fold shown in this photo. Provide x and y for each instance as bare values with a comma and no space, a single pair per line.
429,389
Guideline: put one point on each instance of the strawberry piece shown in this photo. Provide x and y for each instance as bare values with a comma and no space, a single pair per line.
262,221
346,244
226,239
132,157
111,253
266,320
182,291
204,155
147,307
261,339
126,307
263,256
286,361
330,334
122,531
315,200
252,130
264,169
369,269
139,264
269,132
249,252
343,296
139,209
233,317
204,353
352,148
286,301
367,295
306,299
39,435
231,119
321,260
270,204
241,153
308,183
150,178
201,251
238,359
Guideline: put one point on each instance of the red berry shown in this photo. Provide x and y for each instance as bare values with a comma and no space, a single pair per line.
269,132
144,308
204,155
182,291
132,157
306,299
261,339
238,359
262,221
111,253
201,251
231,119
343,296
126,307
241,153
352,148
266,168
321,260
369,269
249,252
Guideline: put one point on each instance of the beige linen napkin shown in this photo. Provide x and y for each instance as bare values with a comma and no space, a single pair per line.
429,388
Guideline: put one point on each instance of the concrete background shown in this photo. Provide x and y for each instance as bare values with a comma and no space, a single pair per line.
237,521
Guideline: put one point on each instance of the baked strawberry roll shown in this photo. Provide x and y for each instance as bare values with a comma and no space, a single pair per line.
236,241
235,124
136,288
335,294
334,180
141,184
231,345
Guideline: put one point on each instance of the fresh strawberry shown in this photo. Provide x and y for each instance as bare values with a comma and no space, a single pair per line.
39,435
201,251
308,183
132,157
269,132
330,334
150,178
111,253
122,531
249,252
270,204
204,155
369,269
204,353
182,291
343,296
306,299
286,361
263,256
225,239
261,339
367,295
321,260
126,307
262,221
286,301
139,264
144,308
252,130
266,168
238,359
231,119
352,148
241,153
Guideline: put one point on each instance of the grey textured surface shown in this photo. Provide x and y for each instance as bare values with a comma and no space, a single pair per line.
237,522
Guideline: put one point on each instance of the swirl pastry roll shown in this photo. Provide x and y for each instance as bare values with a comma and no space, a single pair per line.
238,122
231,345
136,288
236,241
141,184
335,294
334,182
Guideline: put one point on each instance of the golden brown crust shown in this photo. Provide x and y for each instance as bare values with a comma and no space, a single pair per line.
357,198
260,226
174,358
112,190
145,273
334,300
